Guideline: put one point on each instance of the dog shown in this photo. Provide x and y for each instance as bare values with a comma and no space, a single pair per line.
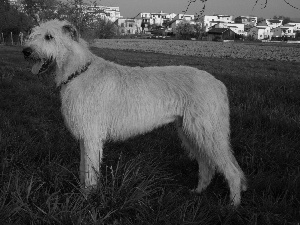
102,100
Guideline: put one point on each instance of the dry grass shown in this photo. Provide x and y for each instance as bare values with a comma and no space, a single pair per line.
240,50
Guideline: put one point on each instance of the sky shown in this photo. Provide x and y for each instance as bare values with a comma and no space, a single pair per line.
130,8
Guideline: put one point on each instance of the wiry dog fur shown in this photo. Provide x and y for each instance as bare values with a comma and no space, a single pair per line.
105,101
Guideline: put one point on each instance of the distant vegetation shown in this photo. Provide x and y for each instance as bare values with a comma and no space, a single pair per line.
14,20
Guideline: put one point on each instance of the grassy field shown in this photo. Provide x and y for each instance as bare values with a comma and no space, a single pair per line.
146,180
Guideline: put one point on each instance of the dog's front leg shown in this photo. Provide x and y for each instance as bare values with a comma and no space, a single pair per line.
90,159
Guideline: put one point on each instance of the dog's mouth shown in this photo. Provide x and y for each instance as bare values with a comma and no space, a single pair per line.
41,65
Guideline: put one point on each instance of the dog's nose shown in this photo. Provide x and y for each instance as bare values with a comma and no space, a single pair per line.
27,51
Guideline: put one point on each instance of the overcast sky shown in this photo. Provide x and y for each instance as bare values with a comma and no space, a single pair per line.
130,8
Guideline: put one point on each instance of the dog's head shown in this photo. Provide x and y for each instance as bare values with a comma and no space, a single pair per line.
48,44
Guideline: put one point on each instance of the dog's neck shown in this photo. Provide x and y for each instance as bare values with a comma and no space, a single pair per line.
74,75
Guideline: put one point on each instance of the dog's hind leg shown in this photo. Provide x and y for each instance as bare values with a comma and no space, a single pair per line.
211,135
90,159
206,170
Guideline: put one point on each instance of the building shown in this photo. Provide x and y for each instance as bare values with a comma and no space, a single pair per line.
127,26
238,28
131,26
284,31
145,17
207,22
219,34
296,26
103,12
159,19
13,2
260,33
272,23
247,20
184,17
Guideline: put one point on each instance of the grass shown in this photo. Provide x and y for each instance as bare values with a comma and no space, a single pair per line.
146,179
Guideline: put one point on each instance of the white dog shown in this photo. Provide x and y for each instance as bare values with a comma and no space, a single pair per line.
102,100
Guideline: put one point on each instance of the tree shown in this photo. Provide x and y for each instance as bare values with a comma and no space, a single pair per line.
199,30
185,30
297,36
105,29
41,10
260,19
12,20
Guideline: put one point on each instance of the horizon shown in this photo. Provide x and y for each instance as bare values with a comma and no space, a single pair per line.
228,7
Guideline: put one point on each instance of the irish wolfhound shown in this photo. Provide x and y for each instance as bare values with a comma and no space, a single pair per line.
102,100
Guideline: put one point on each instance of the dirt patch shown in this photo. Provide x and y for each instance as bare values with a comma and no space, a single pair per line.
287,52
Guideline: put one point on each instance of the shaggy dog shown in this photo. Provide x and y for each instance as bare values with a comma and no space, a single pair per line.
102,100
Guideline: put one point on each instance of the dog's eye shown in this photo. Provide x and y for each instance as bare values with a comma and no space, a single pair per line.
48,37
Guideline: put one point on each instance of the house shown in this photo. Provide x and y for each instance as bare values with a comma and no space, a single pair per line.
184,17
247,20
284,31
296,26
155,18
272,23
129,26
260,32
13,2
103,12
238,28
159,18
207,22
216,34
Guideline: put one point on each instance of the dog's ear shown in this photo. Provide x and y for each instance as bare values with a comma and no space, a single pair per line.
72,31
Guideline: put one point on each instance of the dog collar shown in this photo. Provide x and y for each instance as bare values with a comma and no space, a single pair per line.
74,75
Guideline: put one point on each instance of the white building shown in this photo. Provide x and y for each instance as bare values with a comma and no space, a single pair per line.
184,17
284,31
207,22
296,25
156,18
12,2
159,18
260,32
238,28
129,26
247,20
272,23
104,12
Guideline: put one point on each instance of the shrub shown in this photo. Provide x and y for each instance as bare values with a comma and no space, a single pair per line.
185,30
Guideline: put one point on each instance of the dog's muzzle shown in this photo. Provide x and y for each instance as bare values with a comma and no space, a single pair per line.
40,65
27,52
